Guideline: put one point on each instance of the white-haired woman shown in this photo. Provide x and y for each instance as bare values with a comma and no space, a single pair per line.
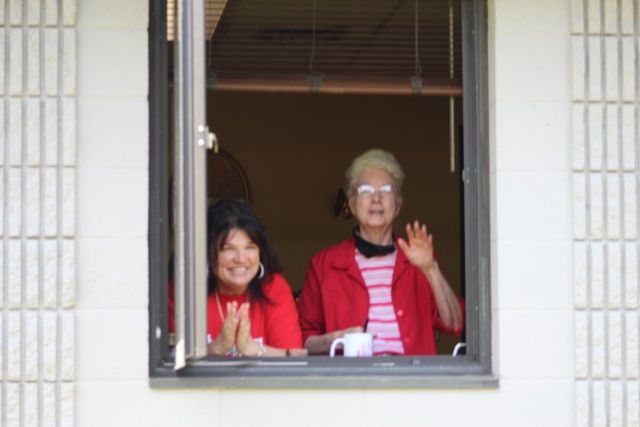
398,295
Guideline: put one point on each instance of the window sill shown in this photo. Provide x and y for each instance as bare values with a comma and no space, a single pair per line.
439,372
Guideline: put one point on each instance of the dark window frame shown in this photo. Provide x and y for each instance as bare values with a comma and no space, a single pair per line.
472,370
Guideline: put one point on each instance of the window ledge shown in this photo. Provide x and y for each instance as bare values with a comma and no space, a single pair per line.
323,372
336,382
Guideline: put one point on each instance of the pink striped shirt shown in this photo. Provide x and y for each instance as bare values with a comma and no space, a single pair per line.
377,273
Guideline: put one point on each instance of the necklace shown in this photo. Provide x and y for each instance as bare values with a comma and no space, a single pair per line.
220,306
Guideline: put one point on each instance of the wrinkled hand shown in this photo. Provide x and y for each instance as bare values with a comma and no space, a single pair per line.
226,339
341,332
419,248
245,344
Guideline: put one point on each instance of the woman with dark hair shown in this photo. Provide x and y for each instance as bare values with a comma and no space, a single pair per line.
251,311
251,308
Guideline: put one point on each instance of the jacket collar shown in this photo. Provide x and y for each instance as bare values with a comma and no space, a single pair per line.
345,260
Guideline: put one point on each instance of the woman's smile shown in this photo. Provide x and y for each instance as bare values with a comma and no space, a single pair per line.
239,271
238,263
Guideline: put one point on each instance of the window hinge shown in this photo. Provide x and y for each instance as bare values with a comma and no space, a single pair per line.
207,139
466,176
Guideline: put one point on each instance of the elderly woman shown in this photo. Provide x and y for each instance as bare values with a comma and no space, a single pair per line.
251,311
398,295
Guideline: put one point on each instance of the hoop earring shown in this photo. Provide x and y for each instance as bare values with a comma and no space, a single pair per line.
261,275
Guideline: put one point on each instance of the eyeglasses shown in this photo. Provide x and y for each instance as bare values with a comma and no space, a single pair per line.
368,190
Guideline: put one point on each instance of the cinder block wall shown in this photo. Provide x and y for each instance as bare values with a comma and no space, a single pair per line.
112,191
606,177
37,211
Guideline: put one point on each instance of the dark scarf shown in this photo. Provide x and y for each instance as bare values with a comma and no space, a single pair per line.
369,249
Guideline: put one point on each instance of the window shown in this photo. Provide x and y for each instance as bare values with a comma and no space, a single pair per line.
236,92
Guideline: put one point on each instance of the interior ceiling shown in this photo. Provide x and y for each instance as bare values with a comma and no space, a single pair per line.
369,45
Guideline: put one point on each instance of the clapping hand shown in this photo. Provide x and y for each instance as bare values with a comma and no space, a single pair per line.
245,344
226,339
235,331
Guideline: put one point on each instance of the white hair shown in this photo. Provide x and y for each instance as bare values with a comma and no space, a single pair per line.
374,159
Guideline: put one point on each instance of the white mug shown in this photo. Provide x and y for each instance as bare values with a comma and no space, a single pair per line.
356,344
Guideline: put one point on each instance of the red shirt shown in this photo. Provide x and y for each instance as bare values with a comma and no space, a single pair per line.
276,322
334,296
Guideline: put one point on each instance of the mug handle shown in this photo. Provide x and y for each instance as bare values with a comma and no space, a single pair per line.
334,344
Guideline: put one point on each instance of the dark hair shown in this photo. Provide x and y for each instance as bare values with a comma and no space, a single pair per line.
226,215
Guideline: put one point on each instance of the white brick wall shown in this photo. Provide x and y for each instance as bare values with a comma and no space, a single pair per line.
606,176
37,213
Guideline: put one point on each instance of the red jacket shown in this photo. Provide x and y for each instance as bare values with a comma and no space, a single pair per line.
334,296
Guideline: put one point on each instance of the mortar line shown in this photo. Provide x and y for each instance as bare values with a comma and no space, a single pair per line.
5,238
41,262
587,152
23,208
605,209
60,219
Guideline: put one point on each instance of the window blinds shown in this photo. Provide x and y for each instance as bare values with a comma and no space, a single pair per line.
346,46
